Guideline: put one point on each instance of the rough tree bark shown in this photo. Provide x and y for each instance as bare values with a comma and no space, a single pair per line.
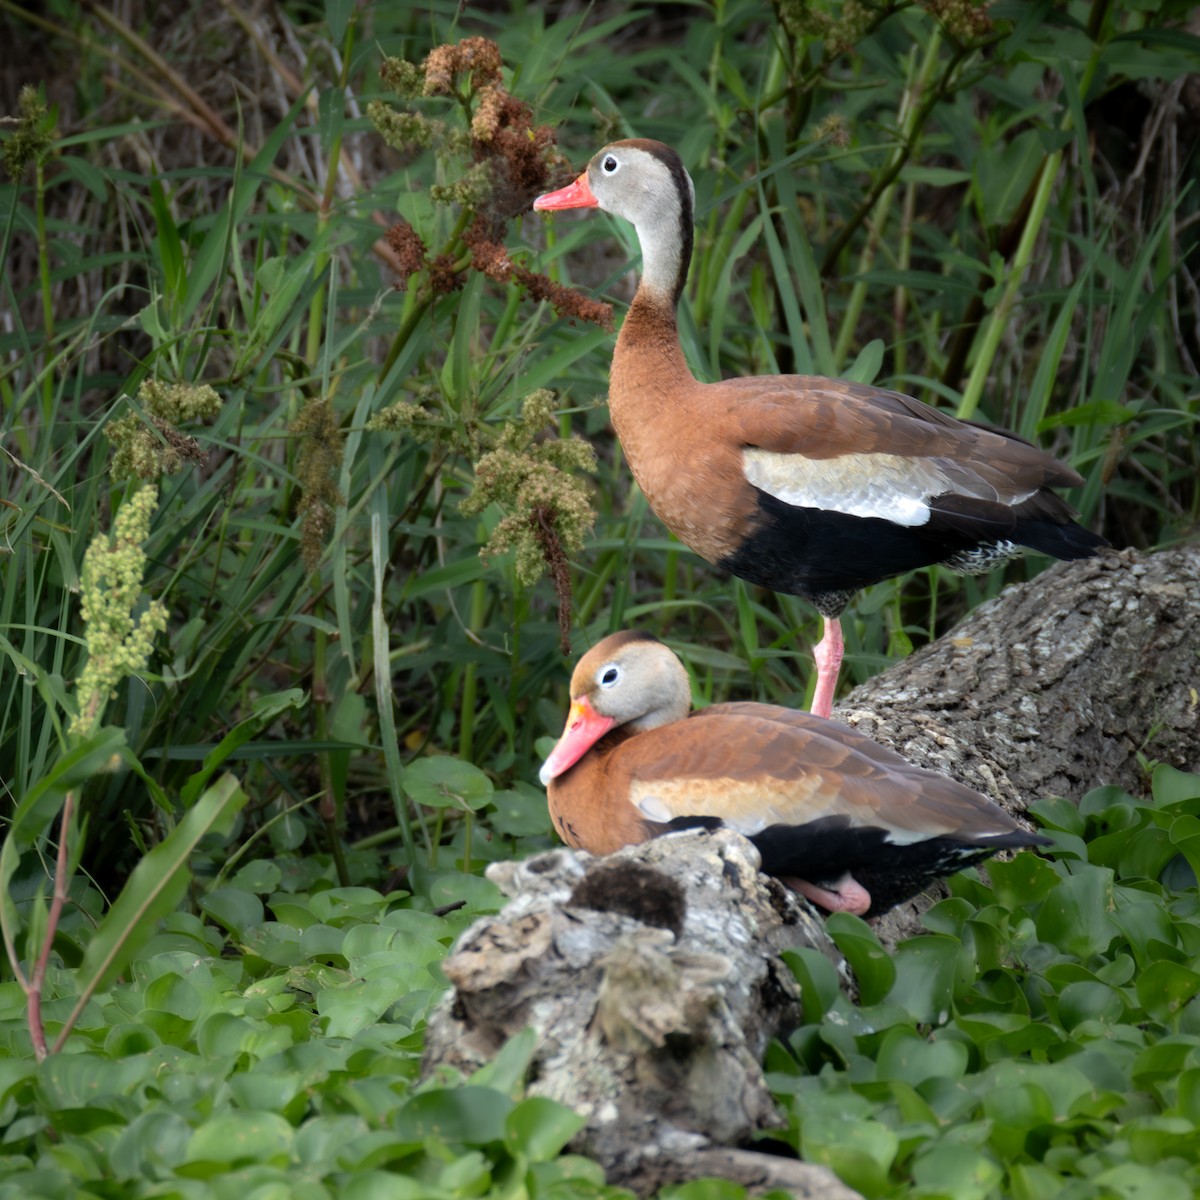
651,977
653,983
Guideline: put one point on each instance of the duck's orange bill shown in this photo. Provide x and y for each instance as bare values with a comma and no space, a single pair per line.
585,727
574,195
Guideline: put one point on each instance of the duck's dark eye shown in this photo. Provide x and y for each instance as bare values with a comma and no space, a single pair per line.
609,676
609,165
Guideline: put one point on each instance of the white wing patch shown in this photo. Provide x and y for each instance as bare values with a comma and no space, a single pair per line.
653,808
888,486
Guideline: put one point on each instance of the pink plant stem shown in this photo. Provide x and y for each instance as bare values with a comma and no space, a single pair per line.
33,991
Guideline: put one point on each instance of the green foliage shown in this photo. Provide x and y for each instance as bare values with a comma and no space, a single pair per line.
1039,1041
288,1068
313,312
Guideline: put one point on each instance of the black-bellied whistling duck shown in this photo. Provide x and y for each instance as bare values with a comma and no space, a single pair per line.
812,486
845,821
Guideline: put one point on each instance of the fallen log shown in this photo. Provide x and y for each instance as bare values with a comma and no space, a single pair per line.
653,983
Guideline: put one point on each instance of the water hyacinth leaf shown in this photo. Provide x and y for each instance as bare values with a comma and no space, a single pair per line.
1148,929
242,1137
520,811
1171,786
473,1116
951,1169
1057,813
926,970
1075,915
1025,879
152,1140
445,782
509,1070
469,1175
352,1008
1146,854
539,1128
704,1189
1088,1001
235,909
906,1056
860,1151
874,971
1096,800
1163,988
819,988
1133,1181
1185,835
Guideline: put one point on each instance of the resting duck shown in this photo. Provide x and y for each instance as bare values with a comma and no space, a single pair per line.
843,820
812,486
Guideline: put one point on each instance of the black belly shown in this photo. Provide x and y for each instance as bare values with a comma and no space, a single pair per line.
825,850
827,556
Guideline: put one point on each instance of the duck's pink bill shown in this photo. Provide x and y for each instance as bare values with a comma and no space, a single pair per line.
585,727
574,195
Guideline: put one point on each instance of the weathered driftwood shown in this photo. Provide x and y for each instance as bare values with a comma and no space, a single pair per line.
651,977
652,981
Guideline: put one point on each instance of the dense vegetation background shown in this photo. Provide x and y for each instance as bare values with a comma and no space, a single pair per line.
282,343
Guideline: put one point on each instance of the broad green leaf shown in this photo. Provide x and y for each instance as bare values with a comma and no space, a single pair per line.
233,908
445,782
819,987
508,1071
926,968
1025,879
1171,786
1163,988
539,1128
472,1116
908,1057
1089,1001
704,1189
156,886
520,811
860,1151
952,1169
237,1137
1075,915
874,971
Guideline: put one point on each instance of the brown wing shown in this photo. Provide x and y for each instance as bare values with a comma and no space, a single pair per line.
822,421
757,765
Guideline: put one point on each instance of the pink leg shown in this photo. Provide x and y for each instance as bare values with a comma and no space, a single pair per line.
847,895
827,654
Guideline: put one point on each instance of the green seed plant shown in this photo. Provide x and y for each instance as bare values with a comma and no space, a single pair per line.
295,353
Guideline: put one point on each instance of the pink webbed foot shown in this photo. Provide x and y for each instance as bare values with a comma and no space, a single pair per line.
846,895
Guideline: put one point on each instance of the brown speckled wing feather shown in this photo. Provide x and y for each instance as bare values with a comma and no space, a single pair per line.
826,418
757,765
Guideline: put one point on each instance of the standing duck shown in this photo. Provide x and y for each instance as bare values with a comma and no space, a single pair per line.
843,820
812,486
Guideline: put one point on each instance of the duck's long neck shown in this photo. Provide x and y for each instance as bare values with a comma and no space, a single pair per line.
648,344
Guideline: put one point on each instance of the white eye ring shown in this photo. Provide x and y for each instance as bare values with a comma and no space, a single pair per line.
610,675
610,164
